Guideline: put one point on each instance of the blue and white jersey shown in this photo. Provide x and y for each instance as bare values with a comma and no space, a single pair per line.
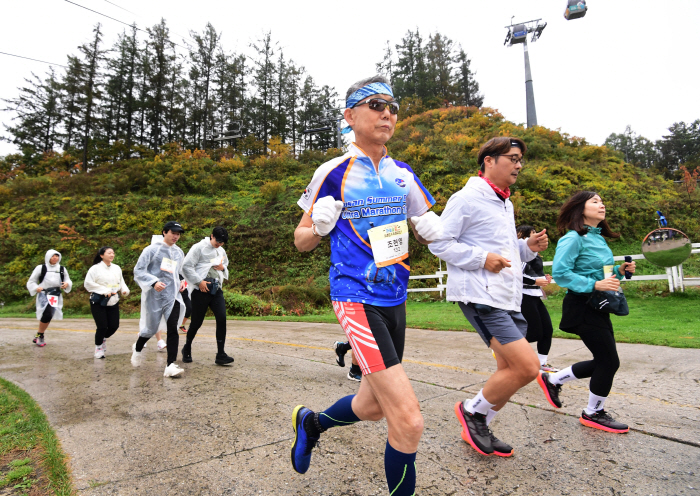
370,199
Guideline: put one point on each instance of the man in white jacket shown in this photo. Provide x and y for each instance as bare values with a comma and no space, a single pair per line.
205,268
157,274
484,255
46,282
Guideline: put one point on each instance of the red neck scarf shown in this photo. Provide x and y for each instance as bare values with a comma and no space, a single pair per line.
503,194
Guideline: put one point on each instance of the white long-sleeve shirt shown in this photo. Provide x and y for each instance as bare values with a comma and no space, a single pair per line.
477,223
104,279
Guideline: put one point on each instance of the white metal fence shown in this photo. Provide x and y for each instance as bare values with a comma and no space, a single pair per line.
674,276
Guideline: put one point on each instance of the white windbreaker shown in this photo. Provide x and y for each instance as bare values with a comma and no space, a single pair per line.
199,262
104,279
52,279
478,222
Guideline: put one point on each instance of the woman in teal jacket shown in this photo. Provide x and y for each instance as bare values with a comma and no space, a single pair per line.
583,262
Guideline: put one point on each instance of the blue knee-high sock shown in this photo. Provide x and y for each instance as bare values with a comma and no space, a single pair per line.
400,471
339,414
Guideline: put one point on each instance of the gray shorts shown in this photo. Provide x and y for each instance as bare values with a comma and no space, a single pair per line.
505,326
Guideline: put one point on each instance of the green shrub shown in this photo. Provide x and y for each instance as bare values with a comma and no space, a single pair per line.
299,298
249,306
271,191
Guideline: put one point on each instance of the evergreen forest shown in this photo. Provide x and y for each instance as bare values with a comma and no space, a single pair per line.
124,139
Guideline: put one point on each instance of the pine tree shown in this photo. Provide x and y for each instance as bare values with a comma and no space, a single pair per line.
160,52
405,82
440,60
203,58
38,115
264,77
118,107
466,87
91,86
386,66
72,100
293,100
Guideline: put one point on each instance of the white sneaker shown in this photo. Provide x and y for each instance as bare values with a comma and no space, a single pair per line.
136,356
173,370
162,346
99,352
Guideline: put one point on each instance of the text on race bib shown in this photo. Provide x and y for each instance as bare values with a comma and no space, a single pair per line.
168,265
389,243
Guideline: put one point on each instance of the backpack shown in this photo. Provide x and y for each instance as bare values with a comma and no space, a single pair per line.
44,269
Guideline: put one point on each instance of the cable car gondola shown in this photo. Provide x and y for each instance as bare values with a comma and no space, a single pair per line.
519,34
575,9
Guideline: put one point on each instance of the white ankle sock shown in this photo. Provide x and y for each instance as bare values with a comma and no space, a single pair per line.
595,403
563,376
543,359
490,415
478,404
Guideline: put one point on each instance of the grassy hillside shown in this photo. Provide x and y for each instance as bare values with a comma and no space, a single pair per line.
54,204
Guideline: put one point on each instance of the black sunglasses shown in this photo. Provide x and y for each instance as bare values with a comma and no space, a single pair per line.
379,104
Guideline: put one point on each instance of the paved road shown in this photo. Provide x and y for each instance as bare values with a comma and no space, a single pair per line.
227,430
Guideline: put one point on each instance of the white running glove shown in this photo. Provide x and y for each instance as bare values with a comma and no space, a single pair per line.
325,214
428,226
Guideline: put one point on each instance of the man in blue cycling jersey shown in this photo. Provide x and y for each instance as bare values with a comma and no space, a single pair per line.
364,201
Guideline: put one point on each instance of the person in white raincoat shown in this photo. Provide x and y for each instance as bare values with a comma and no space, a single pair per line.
157,274
46,283
104,282
205,268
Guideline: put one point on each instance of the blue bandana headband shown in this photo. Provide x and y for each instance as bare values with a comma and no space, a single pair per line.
364,92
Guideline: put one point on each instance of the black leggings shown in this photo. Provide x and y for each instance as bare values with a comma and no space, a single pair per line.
201,302
601,370
539,325
188,304
106,321
47,315
173,336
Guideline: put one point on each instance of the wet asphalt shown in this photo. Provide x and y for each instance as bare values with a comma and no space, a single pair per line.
227,430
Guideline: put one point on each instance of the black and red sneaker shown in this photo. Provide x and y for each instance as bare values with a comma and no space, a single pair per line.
551,391
474,429
603,421
499,447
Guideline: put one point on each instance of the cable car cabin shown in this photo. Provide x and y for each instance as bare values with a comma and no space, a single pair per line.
519,34
575,9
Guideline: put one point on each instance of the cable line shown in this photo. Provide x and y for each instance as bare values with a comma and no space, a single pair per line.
117,20
29,58
120,7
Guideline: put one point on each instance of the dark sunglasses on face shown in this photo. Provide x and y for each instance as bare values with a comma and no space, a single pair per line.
379,104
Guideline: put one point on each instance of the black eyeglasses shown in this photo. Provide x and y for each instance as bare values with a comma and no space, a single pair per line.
379,104
514,158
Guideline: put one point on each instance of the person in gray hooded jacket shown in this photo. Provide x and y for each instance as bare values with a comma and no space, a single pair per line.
157,274
46,282
484,265
205,268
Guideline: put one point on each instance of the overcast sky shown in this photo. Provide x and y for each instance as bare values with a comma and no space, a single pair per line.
626,62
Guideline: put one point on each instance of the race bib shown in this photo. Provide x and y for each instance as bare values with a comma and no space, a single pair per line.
53,300
389,243
216,261
608,270
168,265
